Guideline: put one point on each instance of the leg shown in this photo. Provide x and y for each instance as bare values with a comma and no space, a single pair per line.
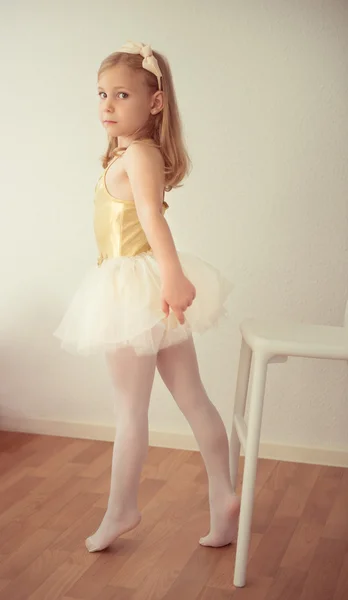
257,391
132,377
239,407
179,370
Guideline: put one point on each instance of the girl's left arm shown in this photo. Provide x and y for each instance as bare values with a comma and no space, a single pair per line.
145,169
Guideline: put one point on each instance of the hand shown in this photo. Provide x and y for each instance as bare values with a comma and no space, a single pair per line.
178,294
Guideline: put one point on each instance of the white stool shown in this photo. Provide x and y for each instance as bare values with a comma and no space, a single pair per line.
265,342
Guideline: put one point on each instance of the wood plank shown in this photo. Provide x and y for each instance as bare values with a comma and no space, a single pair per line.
26,553
271,494
310,526
34,575
195,574
257,589
337,523
55,492
103,568
298,490
91,452
209,593
287,585
269,553
325,569
172,559
223,575
61,579
44,499
18,490
341,592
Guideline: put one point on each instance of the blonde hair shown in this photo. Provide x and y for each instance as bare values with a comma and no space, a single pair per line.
164,128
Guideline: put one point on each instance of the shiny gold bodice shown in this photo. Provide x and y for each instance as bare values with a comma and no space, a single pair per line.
117,229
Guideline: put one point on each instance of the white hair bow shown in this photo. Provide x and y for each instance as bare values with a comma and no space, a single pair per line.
149,63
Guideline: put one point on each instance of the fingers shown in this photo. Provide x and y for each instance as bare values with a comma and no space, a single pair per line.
165,307
190,302
178,309
179,315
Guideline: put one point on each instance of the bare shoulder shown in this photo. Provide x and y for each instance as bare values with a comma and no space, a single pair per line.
143,154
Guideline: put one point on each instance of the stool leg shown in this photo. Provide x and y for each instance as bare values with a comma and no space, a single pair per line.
257,391
239,407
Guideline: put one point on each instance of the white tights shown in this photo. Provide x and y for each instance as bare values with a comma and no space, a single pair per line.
132,377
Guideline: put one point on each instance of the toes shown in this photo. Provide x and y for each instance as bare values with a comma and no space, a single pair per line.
89,545
208,541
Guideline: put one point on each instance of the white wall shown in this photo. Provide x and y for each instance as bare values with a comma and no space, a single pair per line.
263,92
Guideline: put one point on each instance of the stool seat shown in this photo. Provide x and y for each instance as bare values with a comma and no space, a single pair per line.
291,338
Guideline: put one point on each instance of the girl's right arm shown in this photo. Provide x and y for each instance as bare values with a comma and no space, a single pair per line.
144,167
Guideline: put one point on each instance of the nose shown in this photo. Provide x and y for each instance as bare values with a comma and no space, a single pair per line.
108,105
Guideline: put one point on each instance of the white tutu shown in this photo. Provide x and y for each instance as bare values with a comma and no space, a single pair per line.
119,304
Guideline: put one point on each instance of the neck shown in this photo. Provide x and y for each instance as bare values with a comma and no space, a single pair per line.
125,141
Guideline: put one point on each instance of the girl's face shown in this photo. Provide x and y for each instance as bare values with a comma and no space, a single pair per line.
125,101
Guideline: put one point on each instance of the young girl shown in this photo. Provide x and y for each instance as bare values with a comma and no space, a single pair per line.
142,301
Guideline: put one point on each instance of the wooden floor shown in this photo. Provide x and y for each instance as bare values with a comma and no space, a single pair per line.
54,492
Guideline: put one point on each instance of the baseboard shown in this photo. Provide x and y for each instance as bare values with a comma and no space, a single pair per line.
94,431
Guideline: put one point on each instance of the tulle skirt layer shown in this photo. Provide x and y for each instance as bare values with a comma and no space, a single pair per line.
118,304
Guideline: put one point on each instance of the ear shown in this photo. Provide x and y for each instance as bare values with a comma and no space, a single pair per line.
156,103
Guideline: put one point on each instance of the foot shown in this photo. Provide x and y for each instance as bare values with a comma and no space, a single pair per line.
224,524
111,528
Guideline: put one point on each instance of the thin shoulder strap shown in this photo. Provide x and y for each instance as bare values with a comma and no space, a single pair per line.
111,162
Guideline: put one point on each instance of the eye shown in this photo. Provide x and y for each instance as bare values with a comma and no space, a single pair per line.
99,94
123,95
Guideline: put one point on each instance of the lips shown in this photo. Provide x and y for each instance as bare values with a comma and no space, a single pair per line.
108,121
